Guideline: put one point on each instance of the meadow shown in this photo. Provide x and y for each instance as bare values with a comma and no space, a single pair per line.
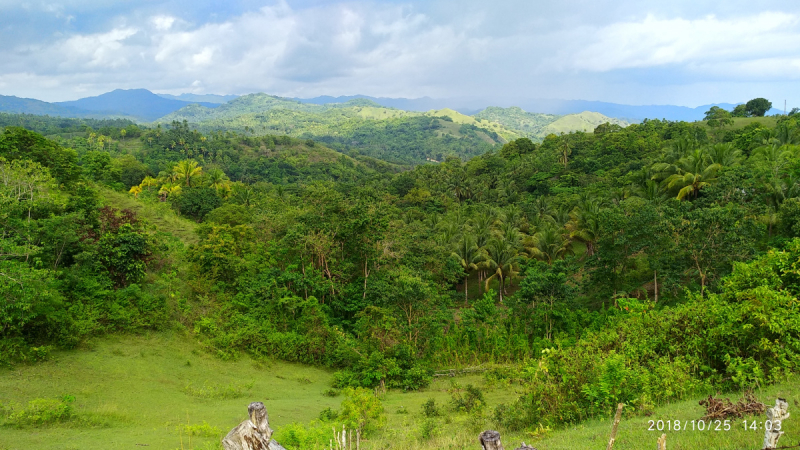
162,391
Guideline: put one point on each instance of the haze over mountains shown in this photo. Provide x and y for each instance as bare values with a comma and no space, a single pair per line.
145,106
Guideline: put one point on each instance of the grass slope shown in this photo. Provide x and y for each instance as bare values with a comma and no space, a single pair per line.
586,121
159,214
137,391
537,126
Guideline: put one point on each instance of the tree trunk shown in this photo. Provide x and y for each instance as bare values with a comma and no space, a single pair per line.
655,283
490,440
252,434
617,418
775,415
466,294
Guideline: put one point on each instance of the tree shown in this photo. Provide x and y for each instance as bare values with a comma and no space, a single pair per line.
740,111
185,170
564,150
757,107
584,225
689,174
501,258
468,255
717,117
549,244
362,410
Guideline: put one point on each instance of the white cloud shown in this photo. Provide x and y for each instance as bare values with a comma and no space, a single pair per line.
656,42
444,48
163,23
104,50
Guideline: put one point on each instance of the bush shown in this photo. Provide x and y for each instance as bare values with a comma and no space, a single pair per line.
295,436
671,353
467,398
429,409
362,410
429,428
41,411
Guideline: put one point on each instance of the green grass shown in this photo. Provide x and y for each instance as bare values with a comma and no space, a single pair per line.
156,389
159,214
145,389
741,122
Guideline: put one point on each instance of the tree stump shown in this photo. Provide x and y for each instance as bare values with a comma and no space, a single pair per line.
525,446
490,440
662,442
252,434
775,415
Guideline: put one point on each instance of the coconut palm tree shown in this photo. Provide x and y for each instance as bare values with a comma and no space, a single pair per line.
584,224
168,189
135,190
217,179
549,245
501,259
725,155
688,175
468,254
564,150
185,170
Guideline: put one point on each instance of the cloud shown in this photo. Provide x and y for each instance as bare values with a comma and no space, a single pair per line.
620,51
656,42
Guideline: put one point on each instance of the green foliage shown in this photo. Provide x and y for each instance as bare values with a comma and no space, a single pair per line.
757,107
429,428
362,410
296,436
18,143
40,412
429,409
466,398
196,202
219,392
203,429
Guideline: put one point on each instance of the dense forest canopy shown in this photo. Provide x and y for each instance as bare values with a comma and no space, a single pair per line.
638,264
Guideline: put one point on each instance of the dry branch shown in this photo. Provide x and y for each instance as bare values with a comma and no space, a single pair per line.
717,408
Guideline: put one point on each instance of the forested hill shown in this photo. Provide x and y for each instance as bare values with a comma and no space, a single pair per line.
635,265
536,126
359,125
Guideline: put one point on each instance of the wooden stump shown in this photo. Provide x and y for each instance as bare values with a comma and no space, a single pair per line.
662,442
775,415
525,446
490,440
252,434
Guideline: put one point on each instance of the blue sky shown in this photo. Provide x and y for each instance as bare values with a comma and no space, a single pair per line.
502,52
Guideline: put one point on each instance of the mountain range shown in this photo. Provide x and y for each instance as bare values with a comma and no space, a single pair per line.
145,106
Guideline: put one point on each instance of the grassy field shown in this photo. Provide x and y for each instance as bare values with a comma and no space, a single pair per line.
143,391
159,214
741,122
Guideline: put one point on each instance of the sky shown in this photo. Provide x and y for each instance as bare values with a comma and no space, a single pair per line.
635,52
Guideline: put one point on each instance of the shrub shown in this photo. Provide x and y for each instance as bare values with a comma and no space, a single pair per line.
429,409
362,410
467,398
429,428
41,411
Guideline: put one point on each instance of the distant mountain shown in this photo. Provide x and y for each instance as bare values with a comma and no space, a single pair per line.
12,104
139,103
407,104
200,98
629,113
538,125
360,126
